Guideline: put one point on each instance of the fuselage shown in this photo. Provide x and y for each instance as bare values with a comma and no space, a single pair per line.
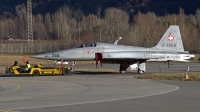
169,48
86,52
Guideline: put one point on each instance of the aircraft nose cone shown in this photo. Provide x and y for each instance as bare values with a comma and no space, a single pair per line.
40,56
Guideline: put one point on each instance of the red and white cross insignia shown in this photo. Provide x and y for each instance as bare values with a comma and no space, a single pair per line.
88,51
170,37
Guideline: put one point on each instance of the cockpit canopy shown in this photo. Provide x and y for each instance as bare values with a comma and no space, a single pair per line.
88,44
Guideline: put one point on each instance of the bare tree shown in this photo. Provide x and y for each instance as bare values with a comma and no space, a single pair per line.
98,10
197,15
116,23
40,31
48,25
20,21
78,16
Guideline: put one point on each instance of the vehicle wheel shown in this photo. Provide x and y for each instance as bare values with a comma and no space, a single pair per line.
66,72
36,73
7,70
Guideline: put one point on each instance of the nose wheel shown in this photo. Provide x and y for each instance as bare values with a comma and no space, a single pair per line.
73,64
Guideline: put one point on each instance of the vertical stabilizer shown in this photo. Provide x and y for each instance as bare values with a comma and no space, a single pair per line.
171,40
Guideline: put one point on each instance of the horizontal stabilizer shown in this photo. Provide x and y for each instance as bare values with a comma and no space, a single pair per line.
182,60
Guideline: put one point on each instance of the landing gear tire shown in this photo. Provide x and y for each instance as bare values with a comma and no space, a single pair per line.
141,72
36,73
122,70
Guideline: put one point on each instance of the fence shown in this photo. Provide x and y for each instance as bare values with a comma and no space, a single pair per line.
24,47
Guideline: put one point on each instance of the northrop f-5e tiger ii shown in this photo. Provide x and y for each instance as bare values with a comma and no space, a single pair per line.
169,48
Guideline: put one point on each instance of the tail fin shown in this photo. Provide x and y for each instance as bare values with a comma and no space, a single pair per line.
171,40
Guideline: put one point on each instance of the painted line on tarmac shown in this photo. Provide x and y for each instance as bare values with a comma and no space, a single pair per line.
9,111
17,87
101,101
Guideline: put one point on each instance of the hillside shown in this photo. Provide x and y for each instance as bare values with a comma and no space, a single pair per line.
159,7
129,19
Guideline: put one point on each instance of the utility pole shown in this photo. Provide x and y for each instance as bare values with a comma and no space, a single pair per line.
29,22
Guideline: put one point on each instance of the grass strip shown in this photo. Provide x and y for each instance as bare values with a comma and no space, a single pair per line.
193,76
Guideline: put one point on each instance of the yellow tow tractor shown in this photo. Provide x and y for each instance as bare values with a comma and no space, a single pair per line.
38,70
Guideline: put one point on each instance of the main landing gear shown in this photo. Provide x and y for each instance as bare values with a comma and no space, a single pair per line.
140,67
123,68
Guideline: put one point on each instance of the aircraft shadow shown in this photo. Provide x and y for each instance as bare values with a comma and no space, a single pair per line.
93,73
101,73
13,75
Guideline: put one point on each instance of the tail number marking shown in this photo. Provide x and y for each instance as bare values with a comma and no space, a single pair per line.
168,45
55,55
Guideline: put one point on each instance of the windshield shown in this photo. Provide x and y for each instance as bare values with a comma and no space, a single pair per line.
89,44
79,46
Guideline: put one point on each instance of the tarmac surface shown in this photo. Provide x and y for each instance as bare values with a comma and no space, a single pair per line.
101,92
152,67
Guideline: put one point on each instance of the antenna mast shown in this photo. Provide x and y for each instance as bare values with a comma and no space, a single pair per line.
29,21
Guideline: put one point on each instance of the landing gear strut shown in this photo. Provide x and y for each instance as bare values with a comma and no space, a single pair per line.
73,63
141,67
122,69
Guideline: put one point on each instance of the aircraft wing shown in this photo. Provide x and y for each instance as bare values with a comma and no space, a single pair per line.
125,55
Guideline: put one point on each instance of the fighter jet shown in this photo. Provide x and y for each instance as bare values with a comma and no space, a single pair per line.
169,48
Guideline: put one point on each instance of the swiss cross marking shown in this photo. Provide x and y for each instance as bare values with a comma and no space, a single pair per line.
88,51
170,37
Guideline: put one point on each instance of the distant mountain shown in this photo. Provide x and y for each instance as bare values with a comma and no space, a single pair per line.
160,7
